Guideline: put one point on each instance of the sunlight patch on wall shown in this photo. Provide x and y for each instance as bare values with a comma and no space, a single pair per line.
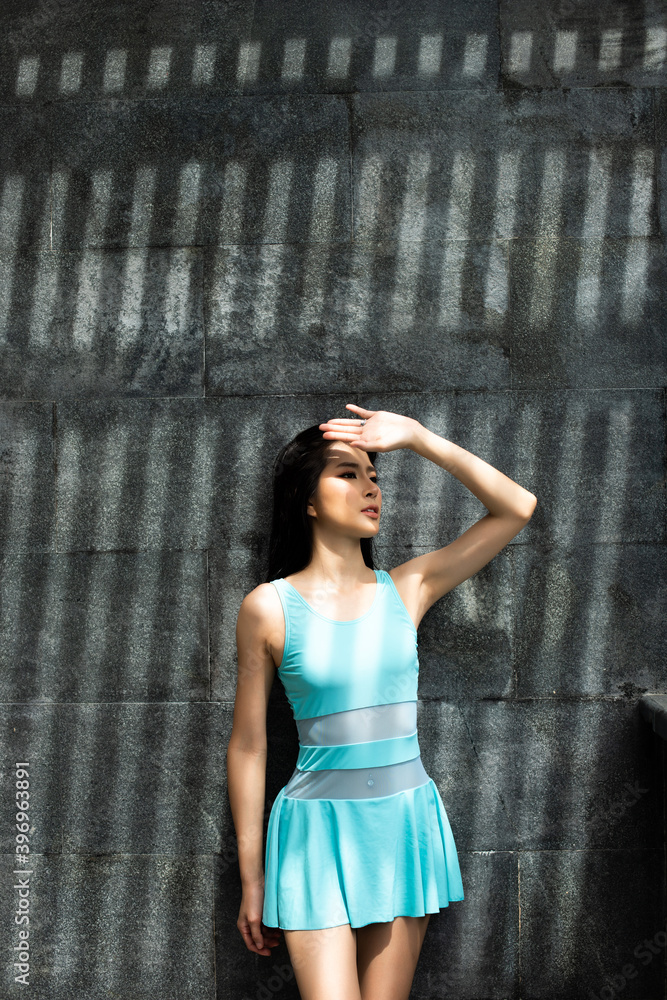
413,210
54,221
294,59
278,200
607,527
635,278
248,67
611,46
90,284
430,55
655,51
274,227
44,288
156,471
188,204
142,205
358,286
340,57
384,58
450,288
548,224
639,222
370,192
228,265
114,70
26,78
132,294
59,580
325,183
11,206
18,497
181,261
507,187
410,241
587,298
495,283
133,281
633,293
565,50
70,72
269,283
115,66
496,291
69,447
458,220
460,195
474,56
599,179
231,210
159,63
177,292
203,64
521,44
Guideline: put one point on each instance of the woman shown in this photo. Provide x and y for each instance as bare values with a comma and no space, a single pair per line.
359,849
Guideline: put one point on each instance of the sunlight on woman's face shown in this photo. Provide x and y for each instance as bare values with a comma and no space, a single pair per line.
348,483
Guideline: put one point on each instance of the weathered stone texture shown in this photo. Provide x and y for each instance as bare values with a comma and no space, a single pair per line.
220,222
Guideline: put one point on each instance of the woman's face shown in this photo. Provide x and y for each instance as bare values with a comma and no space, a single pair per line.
347,484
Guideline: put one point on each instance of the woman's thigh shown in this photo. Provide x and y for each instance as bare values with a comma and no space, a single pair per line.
387,956
325,962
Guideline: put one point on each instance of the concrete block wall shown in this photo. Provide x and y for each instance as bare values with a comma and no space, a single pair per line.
220,222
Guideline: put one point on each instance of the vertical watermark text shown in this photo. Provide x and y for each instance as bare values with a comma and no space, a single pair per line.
21,950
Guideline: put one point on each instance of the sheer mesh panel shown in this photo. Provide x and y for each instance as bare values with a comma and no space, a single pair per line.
359,725
357,783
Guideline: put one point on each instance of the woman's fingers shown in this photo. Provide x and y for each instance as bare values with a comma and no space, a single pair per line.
343,420
250,943
346,431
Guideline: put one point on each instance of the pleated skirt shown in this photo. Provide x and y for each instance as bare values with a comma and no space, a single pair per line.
332,861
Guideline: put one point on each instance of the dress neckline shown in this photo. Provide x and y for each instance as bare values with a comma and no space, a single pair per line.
334,621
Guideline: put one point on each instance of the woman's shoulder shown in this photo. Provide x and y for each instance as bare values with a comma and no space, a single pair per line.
261,615
261,602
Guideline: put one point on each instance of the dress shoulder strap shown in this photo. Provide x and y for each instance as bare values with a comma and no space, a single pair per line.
279,584
398,602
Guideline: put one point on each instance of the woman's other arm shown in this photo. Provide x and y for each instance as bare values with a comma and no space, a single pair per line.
509,506
246,761
501,496
426,578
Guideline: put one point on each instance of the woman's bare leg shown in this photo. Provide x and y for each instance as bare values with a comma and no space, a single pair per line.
387,956
325,962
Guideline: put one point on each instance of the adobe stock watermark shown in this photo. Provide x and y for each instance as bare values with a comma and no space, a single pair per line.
603,819
22,885
645,951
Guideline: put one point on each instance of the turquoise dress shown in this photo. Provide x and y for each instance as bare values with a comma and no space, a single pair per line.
359,833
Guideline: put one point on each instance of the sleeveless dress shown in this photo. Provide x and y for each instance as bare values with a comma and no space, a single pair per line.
359,833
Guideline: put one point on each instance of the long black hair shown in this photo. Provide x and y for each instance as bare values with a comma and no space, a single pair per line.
296,472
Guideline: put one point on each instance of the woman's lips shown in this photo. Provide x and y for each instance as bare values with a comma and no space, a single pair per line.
370,513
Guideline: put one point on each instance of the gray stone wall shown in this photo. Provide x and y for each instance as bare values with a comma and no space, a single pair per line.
220,222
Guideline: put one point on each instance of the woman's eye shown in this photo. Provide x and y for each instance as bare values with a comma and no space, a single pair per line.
354,474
